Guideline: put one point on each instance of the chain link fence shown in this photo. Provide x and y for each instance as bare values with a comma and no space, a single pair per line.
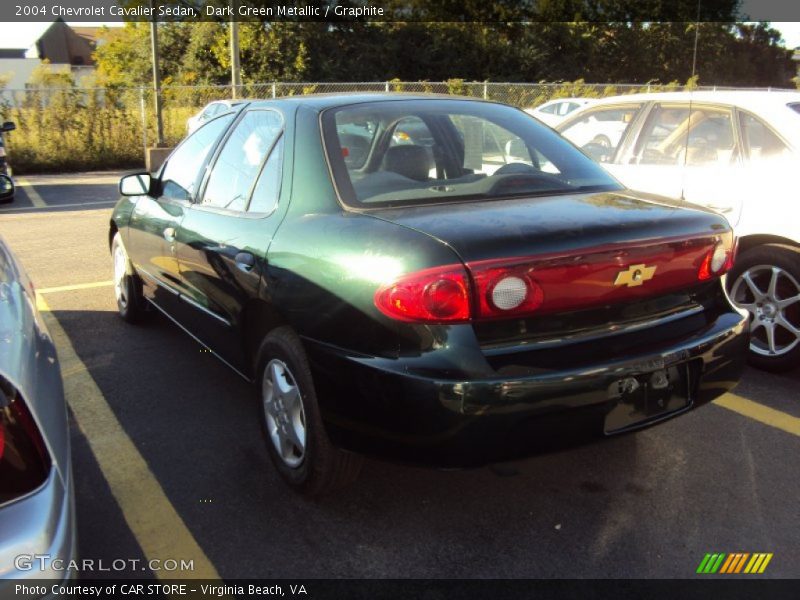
69,128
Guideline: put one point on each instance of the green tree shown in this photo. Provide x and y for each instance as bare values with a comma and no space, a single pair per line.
123,55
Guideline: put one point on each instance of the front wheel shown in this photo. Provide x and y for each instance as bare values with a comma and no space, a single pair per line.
290,418
127,287
765,281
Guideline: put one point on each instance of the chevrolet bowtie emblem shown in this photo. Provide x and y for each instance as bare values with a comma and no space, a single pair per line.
635,275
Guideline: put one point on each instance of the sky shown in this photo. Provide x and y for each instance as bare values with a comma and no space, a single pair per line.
790,33
18,35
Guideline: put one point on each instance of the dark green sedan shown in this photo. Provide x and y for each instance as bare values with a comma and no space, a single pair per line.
427,279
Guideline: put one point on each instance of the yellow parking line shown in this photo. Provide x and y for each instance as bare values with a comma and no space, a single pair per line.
31,192
158,528
77,286
54,207
759,412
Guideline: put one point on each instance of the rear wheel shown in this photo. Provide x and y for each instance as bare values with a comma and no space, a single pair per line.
291,421
127,287
602,140
766,282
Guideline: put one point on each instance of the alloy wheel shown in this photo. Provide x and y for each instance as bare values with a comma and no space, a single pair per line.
772,297
120,274
283,409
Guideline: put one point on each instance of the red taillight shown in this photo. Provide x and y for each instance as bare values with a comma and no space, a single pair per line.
439,295
24,460
719,259
514,287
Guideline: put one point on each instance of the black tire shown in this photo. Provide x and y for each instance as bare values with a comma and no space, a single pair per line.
323,467
602,140
130,304
758,262
11,198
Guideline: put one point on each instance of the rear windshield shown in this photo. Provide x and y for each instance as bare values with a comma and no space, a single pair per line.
430,151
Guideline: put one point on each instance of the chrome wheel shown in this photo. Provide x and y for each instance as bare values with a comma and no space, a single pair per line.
120,274
772,297
283,409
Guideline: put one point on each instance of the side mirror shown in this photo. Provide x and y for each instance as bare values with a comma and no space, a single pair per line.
6,188
8,126
135,185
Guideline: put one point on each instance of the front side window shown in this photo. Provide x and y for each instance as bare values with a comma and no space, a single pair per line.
239,162
550,109
431,151
209,112
599,132
181,174
566,108
674,135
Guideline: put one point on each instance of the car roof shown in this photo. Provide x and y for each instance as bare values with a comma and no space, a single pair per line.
324,101
771,106
755,100
571,99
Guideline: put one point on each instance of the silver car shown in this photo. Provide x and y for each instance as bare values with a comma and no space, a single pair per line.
37,506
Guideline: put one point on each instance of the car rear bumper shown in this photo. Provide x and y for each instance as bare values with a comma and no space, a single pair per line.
39,531
381,407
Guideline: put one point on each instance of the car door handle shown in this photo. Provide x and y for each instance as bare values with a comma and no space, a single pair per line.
169,234
245,261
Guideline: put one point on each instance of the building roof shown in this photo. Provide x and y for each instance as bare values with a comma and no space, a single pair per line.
88,33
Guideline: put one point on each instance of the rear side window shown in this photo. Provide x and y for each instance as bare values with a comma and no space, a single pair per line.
239,162
598,132
759,140
434,151
795,107
268,187
181,174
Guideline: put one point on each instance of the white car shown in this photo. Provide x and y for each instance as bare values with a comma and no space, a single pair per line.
211,110
735,153
553,112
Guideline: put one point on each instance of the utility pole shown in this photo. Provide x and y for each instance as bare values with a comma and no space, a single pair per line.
156,79
236,76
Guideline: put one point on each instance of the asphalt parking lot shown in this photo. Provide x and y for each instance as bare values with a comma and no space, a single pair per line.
169,460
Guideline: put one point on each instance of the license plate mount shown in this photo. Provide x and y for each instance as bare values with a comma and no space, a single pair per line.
647,397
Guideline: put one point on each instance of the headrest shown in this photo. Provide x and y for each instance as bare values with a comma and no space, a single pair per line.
414,162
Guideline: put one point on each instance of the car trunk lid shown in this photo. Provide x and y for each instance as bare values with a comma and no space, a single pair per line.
608,259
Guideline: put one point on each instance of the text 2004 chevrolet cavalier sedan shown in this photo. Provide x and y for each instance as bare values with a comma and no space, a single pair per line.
471,290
